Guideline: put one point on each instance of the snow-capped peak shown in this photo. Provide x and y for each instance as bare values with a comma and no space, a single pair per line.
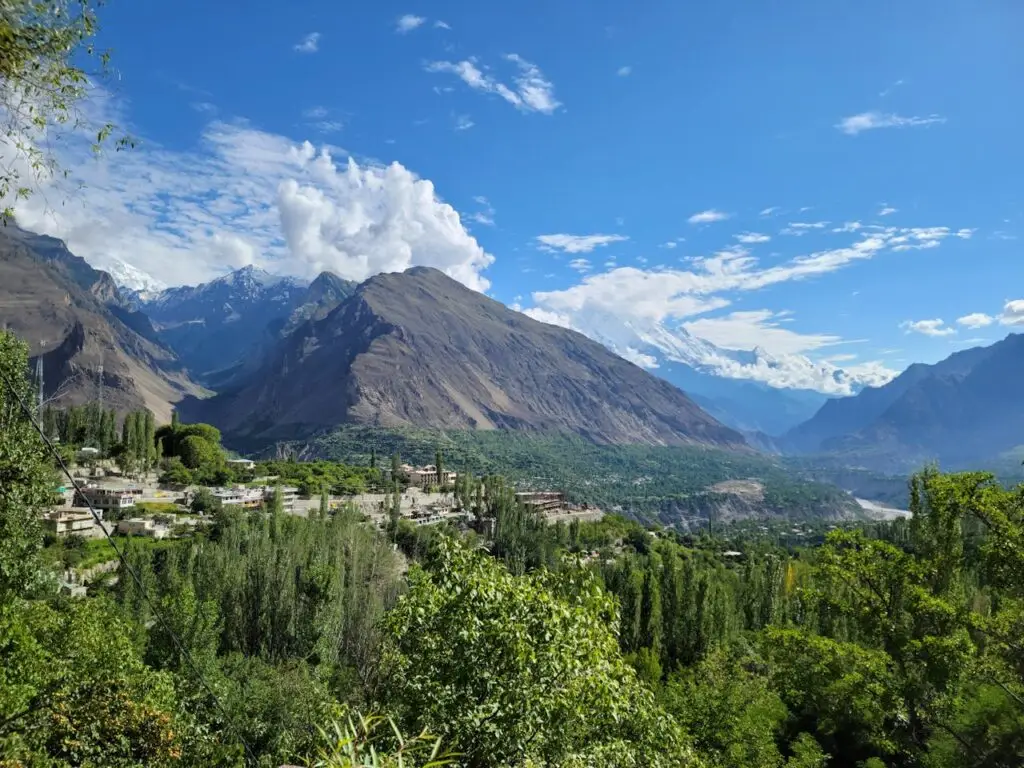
254,278
132,278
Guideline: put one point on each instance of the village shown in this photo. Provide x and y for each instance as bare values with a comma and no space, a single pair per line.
141,506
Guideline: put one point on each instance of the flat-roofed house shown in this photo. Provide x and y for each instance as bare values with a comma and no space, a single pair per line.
426,476
141,526
64,523
250,498
106,499
541,501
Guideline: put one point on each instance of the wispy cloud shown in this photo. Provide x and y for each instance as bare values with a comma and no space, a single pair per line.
463,122
801,228
318,118
644,308
751,238
531,90
886,91
868,121
580,265
625,71
442,25
887,210
484,216
849,226
708,217
408,23
577,243
771,210
309,44
933,327
975,320
204,107
760,327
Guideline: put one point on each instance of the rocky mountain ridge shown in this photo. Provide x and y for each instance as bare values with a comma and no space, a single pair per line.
961,411
76,318
418,348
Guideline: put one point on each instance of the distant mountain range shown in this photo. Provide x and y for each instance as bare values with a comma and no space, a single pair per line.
750,390
79,320
225,326
420,349
963,411
290,359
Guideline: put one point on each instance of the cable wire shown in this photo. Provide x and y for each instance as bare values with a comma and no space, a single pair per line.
127,568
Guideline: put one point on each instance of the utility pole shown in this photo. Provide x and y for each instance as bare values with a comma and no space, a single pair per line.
99,385
39,381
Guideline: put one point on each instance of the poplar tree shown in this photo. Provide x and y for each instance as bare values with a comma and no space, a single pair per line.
27,480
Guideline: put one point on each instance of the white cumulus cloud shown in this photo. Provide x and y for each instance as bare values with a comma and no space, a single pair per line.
357,222
975,320
408,23
933,327
577,243
1013,313
243,196
751,238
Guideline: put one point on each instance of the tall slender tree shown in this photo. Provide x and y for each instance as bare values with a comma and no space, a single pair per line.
27,482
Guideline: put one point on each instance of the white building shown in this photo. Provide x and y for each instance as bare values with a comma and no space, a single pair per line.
240,497
141,526
289,496
241,463
64,523
105,499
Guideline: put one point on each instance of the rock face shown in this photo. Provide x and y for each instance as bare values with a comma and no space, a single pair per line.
75,316
420,349
965,409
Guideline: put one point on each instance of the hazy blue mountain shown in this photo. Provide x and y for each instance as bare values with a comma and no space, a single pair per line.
961,411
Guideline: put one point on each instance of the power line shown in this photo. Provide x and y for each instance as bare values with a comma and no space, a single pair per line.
127,568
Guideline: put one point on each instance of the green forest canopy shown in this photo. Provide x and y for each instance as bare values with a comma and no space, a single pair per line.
258,640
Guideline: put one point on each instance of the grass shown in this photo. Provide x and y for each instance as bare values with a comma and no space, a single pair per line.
92,552
145,508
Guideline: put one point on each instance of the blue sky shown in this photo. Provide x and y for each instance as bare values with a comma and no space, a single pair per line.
578,145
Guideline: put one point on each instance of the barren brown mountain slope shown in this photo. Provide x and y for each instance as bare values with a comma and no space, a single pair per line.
418,348
56,306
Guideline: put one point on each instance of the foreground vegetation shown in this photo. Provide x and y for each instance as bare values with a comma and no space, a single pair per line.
262,639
